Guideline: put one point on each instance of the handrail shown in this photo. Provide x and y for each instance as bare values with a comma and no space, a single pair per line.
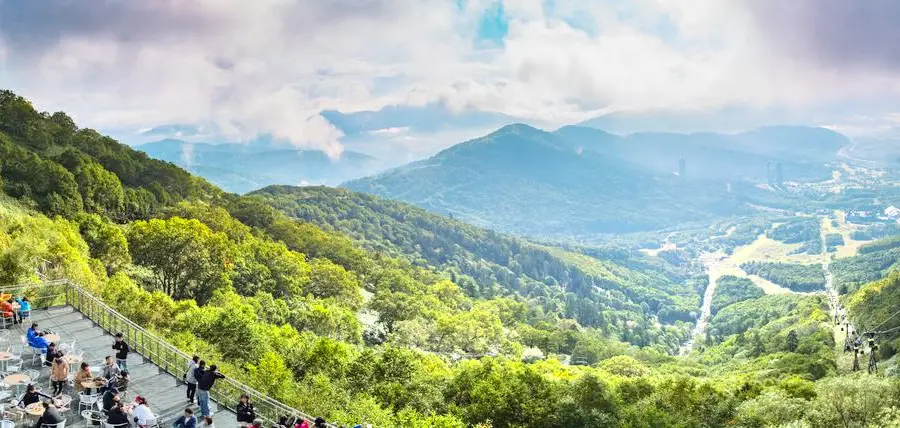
164,355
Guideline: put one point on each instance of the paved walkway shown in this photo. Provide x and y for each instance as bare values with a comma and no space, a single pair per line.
165,394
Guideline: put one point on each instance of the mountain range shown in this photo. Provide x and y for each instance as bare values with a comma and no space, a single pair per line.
241,168
579,180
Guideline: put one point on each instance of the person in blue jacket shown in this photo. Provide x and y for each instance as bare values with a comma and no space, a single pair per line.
24,307
36,338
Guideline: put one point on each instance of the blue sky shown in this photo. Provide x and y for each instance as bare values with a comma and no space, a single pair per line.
239,69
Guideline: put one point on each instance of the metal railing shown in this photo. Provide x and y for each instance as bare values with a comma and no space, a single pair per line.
167,357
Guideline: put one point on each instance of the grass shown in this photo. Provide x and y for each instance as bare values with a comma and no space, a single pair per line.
851,246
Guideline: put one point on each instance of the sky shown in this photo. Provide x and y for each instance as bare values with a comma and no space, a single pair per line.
236,69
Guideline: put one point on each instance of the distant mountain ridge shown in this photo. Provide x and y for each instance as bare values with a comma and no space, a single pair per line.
241,168
523,180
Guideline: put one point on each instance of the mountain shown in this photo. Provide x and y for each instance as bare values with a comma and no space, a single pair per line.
241,168
523,180
803,152
485,262
427,118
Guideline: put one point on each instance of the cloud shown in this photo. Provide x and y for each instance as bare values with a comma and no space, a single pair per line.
837,34
269,67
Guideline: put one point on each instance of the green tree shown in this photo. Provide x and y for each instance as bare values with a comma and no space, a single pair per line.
186,257
792,341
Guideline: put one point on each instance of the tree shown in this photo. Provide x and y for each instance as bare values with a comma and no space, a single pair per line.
792,341
106,241
328,280
188,260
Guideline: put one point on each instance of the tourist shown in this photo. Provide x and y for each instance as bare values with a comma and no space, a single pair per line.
142,412
122,350
304,424
245,411
116,416
110,399
320,423
188,420
8,311
83,375
208,422
59,375
24,308
32,332
111,370
204,384
31,396
257,423
50,416
52,353
190,380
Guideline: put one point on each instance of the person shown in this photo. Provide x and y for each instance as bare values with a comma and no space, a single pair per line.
110,399
50,416
24,308
8,311
52,353
188,420
32,332
116,416
122,381
320,423
111,370
142,412
245,411
59,374
190,380
122,350
257,423
204,384
304,424
31,396
83,375
208,422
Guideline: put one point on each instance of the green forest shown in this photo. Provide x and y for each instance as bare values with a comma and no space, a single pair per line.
732,289
796,277
307,303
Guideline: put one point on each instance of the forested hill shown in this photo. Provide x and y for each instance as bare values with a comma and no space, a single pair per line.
523,180
487,263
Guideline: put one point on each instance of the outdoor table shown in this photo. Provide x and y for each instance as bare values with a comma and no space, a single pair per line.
17,380
35,409
73,360
4,357
94,383
52,338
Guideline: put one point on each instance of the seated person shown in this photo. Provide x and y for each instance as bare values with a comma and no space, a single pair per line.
110,368
83,375
24,307
110,399
51,416
31,396
116,416
188,420
52,354
8,311
36,339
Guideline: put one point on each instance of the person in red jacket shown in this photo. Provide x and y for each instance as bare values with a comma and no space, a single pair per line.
8,311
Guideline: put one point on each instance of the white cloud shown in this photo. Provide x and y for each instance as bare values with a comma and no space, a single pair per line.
269,67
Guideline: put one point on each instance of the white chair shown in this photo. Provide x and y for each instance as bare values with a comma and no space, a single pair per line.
33,374
7,423
91,417
6,322
14,365
87,401
59,425
4,335
68,348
